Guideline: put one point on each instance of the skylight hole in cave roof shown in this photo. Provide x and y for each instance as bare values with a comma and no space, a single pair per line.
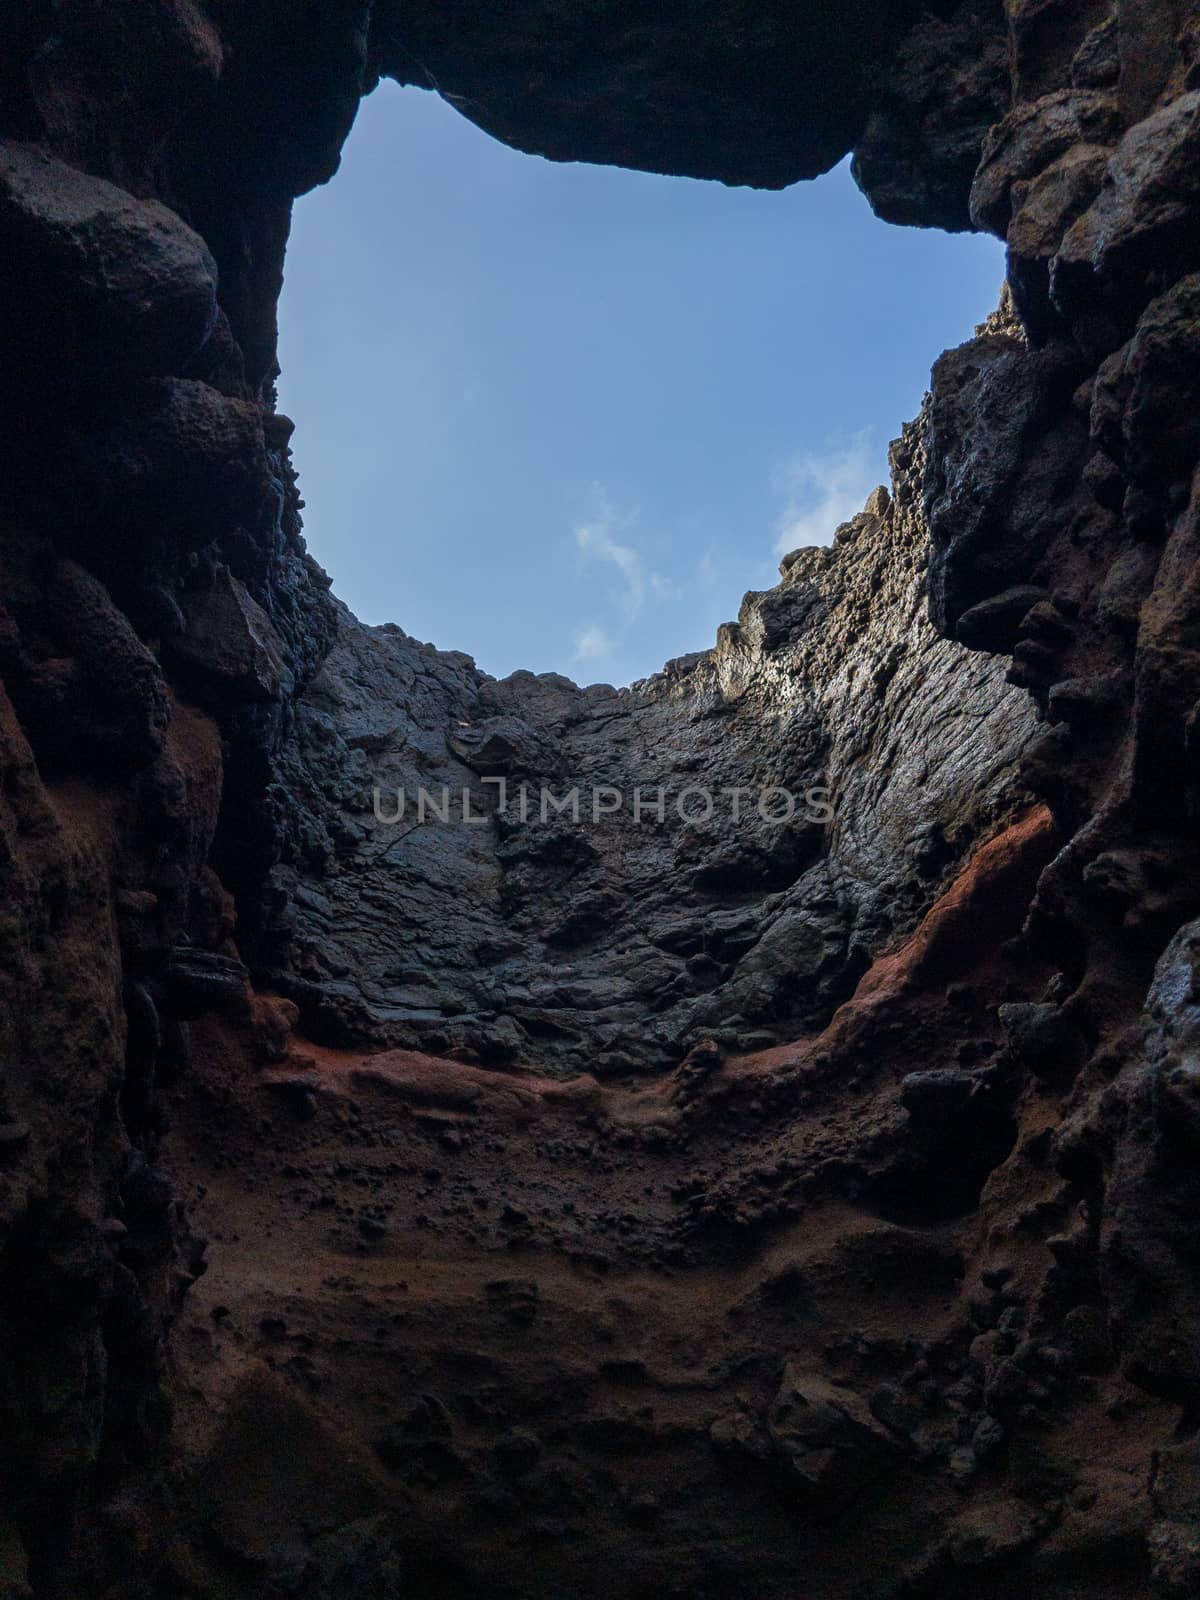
562,416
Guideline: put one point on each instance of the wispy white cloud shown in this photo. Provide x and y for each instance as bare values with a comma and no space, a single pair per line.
629,596
598,538
592,643
823,490
705,574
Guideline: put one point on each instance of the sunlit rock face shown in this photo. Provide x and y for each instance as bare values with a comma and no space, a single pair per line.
716,852
672,1209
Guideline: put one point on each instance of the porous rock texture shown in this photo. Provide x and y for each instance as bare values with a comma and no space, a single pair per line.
649,1208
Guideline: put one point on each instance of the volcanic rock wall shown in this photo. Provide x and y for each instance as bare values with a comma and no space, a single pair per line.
180,801
613,940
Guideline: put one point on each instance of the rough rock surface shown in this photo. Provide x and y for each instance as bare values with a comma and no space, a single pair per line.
613,931
612,1212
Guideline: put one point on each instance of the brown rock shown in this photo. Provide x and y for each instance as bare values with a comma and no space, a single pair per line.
230,646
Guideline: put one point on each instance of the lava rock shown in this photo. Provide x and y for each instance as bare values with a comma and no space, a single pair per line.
200,981
122,283
832,1446
229,648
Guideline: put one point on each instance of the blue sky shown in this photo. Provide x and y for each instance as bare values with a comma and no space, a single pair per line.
561,416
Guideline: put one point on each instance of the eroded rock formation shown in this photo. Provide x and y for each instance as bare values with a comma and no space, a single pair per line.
610,933
670,1209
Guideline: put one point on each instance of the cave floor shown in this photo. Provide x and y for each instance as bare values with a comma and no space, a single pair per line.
671,1337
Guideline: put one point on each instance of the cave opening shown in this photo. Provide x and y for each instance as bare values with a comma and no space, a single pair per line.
604,1212
565,417
562,415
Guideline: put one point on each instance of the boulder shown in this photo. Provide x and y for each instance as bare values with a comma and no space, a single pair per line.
122,283
200,981
1144,213
229,646
1030,140
831,1445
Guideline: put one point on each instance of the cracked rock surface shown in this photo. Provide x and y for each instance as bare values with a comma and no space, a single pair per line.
605,936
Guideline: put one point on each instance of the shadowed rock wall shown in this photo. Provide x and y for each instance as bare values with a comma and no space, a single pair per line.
177,761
